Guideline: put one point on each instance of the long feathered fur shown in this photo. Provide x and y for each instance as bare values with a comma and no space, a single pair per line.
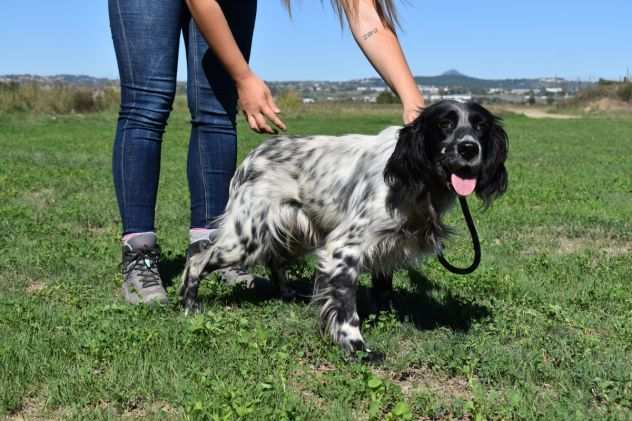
359,202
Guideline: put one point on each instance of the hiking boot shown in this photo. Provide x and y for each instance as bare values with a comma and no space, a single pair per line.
141,280
238,275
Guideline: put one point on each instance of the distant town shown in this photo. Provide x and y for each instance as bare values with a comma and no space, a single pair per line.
449,85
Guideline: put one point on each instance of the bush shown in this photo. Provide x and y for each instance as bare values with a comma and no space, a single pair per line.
56,99
619,90
387,98
84,102
606,82
289,100
625,92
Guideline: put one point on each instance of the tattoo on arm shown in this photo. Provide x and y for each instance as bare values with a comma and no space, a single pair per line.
369,34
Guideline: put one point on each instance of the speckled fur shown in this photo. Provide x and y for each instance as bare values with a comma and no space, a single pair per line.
335,197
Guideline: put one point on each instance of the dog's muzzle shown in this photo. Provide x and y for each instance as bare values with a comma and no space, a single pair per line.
469,149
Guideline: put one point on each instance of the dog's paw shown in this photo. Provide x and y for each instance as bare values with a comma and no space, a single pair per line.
371,357
288,294
192,307
350,338
365,355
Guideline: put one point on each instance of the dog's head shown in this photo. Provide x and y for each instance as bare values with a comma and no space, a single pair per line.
460,146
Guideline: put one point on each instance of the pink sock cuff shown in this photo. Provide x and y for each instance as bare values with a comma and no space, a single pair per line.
128,237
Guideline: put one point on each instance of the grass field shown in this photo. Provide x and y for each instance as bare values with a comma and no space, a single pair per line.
543,330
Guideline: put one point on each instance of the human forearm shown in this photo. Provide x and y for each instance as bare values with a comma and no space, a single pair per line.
212,24
381,46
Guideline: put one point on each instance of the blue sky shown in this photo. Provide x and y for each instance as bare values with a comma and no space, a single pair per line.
578,39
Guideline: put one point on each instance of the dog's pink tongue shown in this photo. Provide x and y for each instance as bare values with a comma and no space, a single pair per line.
463,186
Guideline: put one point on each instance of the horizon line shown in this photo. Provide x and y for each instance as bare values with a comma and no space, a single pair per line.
447,73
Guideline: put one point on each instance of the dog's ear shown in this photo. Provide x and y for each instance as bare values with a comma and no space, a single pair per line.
408,164
494,180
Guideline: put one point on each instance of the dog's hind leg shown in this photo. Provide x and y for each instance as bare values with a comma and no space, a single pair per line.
336,286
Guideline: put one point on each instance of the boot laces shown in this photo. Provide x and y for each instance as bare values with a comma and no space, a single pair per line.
145,262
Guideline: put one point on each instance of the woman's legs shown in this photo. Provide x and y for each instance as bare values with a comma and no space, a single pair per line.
146,36
213,100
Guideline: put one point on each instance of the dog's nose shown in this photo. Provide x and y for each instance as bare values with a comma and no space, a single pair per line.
468,149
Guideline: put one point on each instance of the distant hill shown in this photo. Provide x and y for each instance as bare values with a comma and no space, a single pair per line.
452,72
454,78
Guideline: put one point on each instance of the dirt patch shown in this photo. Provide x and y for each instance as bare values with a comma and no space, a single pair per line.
416,379
300,382
35,409
28,411
539,113
607,105
140,409
560,242
96,231
610,247
35,288
39,199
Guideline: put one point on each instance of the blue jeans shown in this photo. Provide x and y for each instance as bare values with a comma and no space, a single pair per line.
146,36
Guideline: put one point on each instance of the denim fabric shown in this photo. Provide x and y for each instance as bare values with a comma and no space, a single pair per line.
146,35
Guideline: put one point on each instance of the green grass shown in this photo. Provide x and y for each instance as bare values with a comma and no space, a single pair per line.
542,330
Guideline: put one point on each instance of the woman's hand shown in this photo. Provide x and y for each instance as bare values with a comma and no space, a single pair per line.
257,104
254,96
412,110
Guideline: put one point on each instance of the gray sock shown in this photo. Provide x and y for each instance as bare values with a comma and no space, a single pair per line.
199,234
141,240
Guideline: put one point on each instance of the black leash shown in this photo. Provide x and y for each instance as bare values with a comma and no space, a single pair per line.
475,243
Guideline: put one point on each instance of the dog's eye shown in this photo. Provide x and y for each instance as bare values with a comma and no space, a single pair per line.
446,124
481,127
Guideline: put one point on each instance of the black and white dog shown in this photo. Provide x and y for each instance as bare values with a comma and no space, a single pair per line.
360,203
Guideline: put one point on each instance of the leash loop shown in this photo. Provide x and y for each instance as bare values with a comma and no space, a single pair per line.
475,243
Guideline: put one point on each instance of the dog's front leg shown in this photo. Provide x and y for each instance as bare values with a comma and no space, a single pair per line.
278,276
382,290
336,286
194,269
189,294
